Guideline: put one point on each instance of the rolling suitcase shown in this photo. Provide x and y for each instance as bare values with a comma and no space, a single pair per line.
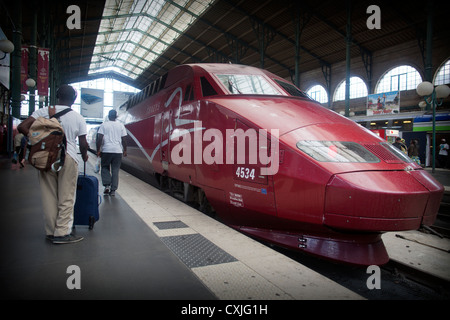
87,200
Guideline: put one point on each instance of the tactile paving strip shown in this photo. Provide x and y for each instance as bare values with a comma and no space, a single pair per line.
169,225
197,251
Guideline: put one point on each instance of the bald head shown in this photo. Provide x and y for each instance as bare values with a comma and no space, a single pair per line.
66,95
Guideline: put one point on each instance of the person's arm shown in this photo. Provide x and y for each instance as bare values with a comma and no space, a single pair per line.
124,146
98,143
83,147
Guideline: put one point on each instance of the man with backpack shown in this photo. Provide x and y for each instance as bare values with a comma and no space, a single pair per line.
58,186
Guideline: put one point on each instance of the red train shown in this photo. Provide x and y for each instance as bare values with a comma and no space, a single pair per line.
249,147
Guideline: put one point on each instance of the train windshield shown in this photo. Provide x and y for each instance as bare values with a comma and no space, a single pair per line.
337,151
247,84
291,89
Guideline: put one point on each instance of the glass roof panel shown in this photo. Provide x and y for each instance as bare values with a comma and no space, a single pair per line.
133,33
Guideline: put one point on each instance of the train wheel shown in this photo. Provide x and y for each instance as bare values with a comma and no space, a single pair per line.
204,205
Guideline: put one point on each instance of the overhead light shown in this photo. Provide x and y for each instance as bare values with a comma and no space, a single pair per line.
30,82
425,88
6,46
433,97
442,91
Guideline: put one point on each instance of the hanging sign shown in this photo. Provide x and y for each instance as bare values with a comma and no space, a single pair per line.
43,71
24,70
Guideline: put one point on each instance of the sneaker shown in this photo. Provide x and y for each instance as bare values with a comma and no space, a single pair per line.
112,193
70,238
49,237
107,190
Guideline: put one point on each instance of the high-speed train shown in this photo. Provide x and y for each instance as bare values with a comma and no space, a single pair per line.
250,148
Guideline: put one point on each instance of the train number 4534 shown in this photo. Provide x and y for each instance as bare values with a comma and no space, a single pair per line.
245,173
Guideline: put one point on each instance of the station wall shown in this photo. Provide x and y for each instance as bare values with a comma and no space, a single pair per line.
384,60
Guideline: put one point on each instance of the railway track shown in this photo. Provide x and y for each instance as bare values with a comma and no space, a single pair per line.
398,281
439,286
442,224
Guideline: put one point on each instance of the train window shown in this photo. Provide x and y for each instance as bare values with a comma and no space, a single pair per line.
163,81
291,89
188,95
399,154
150,90
247,84
337,151
207,88
156,86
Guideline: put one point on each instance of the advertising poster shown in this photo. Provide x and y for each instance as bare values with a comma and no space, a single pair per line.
383,103
120,97
43,71
4,64
92,103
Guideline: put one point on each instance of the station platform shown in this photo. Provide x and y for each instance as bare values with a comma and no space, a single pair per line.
148,245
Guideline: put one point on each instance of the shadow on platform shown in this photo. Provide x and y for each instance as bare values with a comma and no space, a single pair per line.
121,258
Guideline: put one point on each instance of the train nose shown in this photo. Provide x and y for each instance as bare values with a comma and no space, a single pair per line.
377,201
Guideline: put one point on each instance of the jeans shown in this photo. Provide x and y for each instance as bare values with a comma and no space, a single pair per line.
110,169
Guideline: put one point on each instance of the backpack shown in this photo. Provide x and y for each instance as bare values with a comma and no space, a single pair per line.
47,142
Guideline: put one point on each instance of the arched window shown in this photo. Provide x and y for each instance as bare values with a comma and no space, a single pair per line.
318,93
398,79
358,89
443,74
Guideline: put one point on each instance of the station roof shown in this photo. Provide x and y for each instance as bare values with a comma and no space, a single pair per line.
136,41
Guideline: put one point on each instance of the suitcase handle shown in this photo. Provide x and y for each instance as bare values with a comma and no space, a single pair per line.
84,163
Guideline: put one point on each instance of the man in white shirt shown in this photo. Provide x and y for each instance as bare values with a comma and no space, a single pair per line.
111,144
58,188
443,154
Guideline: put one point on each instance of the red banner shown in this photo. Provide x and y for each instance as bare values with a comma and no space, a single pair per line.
24,70
43,58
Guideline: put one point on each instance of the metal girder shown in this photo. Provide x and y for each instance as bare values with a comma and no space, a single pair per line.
335,28
229,36
237,47
326,71
285,37
300,19
367,59
264,35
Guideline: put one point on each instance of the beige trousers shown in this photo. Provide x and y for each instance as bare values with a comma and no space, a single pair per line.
58,197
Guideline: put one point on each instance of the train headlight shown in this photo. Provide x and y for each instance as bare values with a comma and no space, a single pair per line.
337,151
